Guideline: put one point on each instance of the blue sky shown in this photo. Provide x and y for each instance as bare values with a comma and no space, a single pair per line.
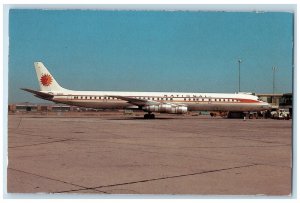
150,50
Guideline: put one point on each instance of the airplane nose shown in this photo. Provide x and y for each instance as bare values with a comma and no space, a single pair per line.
267,106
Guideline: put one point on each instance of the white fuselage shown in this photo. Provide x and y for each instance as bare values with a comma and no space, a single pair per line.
193,101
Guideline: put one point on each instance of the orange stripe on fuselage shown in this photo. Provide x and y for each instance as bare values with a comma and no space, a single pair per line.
247,101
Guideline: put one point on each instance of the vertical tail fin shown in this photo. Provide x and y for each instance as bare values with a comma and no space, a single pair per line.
46,80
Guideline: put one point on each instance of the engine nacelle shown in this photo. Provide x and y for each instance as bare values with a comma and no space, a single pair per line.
166,108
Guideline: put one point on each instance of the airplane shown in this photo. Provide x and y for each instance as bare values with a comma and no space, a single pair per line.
149,102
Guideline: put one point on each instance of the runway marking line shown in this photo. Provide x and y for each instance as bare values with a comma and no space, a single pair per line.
162,178
40,176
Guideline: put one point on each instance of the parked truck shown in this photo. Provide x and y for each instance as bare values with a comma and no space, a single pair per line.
279,114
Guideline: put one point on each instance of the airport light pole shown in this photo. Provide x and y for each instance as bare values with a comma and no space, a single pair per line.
274,69
240,61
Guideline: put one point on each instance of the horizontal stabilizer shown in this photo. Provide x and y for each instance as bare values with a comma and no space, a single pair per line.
38,94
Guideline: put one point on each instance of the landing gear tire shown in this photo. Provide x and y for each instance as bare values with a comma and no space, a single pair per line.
149,116
152,116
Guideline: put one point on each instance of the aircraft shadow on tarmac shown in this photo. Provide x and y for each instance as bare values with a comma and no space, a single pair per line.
139,118
119,118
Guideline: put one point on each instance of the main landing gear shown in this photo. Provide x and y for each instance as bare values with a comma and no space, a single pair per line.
149,116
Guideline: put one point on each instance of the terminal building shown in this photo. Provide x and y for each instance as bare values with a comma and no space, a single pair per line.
283,101
26,107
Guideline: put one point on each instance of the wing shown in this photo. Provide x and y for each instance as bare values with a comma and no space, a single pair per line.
138,102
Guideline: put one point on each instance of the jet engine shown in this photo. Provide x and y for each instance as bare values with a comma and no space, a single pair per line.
166,108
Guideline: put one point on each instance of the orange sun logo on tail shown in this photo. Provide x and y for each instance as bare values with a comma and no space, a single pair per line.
46,80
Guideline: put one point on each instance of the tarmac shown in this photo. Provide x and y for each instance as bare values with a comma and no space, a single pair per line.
104,153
